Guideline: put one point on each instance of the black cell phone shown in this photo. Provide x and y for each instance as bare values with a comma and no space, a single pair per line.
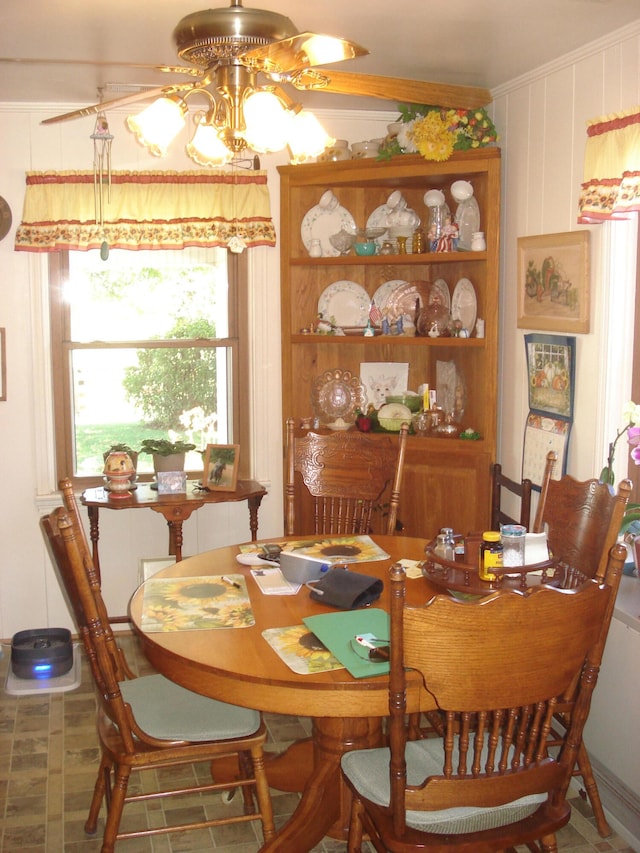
271,552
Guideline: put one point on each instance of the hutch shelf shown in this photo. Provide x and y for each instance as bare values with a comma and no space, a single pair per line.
447,480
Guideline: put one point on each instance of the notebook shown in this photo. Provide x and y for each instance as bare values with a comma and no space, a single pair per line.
337,630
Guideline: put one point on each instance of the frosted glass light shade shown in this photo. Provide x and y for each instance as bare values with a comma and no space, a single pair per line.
158,125
322,50
206,148
307,137
267,121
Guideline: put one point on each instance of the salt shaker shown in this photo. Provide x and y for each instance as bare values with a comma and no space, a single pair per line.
478,243
315,249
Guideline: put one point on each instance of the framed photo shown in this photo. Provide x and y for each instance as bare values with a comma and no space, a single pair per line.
382,379
221,467
148,566
3,366
171,482
551,366
553,282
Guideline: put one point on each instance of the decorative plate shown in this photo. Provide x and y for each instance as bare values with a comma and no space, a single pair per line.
440,293
381,296
336,396
464,306
402,299
319,223
346,303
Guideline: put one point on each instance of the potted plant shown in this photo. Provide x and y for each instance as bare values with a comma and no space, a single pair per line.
122,448
167,455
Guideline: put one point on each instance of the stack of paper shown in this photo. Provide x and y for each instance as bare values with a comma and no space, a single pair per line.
272,582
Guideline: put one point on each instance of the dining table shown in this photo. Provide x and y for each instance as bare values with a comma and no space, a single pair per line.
238,665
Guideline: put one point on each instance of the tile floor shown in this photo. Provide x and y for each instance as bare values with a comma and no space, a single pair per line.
48,763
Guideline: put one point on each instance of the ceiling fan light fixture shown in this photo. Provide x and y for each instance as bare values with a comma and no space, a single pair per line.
268,122
206,148
307,137
158,125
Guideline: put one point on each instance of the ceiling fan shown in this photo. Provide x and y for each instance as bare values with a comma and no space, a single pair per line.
236,53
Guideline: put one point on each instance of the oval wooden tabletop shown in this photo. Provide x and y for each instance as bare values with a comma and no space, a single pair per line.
238,665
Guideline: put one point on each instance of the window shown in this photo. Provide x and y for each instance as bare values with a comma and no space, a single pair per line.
146,345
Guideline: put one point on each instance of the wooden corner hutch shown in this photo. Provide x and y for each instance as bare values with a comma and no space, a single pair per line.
446,480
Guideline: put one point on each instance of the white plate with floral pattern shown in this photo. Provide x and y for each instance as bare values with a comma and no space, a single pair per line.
320,223
345,303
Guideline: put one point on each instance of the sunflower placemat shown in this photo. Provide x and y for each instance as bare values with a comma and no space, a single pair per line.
338,549
301,650
189,604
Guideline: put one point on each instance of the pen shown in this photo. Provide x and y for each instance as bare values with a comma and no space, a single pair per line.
230,582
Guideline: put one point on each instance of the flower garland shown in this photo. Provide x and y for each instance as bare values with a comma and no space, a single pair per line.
436,133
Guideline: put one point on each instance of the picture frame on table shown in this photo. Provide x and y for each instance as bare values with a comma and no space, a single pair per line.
554,282
221,467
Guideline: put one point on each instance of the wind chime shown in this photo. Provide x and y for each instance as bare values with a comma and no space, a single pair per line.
102,139
237,243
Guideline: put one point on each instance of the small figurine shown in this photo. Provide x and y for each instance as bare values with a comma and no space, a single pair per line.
447,240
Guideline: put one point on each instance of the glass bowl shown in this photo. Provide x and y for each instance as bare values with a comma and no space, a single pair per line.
342,241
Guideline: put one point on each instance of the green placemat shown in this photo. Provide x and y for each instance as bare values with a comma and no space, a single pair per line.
337,630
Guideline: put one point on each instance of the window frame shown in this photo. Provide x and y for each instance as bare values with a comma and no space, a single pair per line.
62,347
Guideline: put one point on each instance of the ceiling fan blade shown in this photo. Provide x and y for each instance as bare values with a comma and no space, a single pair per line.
118,102
301,51
391,88
165,69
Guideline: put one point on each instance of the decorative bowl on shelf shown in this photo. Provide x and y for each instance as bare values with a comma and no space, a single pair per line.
370,233
342,241
413,402
367,248
391,416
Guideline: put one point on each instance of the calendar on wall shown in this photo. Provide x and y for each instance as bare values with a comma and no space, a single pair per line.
551,378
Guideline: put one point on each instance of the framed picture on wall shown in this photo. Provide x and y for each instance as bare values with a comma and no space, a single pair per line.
553,282
221,467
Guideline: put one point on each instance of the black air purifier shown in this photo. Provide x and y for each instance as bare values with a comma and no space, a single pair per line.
41,653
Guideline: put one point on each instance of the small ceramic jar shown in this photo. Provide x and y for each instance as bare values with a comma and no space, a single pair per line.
478,243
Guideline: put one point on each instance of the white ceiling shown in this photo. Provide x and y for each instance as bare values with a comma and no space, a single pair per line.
467,42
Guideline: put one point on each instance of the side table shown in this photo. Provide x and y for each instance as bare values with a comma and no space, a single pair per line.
174,508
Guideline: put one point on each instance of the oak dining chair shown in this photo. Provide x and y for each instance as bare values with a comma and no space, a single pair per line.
582,520
150,722
520,490
489,783
336,481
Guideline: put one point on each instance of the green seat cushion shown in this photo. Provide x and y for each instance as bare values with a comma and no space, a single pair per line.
166,710
368,772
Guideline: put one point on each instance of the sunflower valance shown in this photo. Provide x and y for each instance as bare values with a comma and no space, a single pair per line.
144,210
611,188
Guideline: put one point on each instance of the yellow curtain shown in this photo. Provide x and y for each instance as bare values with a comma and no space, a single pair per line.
144,210
611,188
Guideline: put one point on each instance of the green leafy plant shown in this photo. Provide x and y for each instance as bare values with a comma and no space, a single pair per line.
121,448
164,447
630,428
